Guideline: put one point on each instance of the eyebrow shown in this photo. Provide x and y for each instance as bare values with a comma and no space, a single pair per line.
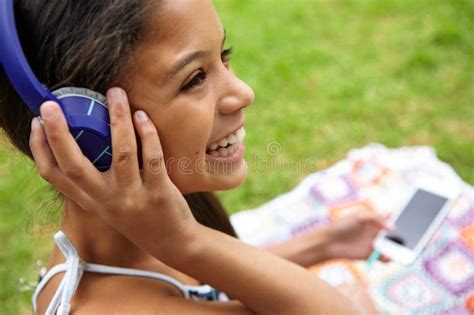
181,64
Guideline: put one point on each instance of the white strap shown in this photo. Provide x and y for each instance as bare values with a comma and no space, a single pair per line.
44,281
61,302
75,268
137,273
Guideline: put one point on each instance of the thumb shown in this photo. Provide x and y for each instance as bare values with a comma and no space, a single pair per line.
380,220
386,222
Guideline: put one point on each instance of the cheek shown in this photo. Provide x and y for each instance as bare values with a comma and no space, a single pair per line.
184,134
187,134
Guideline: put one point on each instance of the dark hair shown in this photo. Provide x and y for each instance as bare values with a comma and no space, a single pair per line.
90,44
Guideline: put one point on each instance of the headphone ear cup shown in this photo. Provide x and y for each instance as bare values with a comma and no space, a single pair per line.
88,119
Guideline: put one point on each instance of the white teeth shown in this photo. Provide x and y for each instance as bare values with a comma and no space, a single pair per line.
223,142
240,134
223,152
232,139
232,148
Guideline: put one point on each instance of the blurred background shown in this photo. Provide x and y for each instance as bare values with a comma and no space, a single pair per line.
329,76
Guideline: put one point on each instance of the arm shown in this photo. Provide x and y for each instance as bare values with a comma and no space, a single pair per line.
305,250
263,282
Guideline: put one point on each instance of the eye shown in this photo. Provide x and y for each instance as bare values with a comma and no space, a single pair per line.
225,56
195,81
201,75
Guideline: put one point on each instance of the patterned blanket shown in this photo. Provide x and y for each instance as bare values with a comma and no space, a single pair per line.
375,178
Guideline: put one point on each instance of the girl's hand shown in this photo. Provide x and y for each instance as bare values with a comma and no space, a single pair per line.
352,237
123,196
349,238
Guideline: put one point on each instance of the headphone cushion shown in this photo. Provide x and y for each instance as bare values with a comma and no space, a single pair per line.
88,119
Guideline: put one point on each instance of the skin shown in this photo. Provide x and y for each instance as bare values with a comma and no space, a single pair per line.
131,208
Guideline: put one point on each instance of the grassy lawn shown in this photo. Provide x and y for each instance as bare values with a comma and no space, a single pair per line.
329,75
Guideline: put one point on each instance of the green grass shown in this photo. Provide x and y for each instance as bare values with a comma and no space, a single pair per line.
329,76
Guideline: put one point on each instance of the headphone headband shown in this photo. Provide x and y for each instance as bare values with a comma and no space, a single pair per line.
15,64
85,110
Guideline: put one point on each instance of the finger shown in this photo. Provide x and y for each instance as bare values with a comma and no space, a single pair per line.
154,170
124,144
49,169
384,259
386,221
69,157
379,220
389,225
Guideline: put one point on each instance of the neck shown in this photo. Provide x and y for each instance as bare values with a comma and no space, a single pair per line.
97,242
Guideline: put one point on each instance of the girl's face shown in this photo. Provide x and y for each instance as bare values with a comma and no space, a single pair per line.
182,79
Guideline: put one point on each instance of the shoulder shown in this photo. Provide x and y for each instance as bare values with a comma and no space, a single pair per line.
98,290
102,294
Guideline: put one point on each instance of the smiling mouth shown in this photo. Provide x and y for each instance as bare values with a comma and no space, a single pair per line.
228,145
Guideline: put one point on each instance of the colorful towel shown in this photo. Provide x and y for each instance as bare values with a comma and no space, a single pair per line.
374,178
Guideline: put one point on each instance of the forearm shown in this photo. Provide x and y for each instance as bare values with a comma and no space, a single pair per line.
263,282
305,250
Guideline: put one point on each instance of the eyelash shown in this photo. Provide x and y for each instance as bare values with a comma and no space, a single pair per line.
200,77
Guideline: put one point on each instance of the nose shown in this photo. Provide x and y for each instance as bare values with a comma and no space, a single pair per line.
236,94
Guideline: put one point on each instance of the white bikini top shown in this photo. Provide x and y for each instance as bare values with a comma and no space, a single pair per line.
75,267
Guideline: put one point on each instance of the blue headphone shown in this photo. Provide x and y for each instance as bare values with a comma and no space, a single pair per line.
85,110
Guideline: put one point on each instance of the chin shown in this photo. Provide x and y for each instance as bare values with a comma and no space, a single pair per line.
233,180
211,181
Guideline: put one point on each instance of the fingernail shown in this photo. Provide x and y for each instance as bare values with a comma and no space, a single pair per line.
116,95
48,110
141,115
35,123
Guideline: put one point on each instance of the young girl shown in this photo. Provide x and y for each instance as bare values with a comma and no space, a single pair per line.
143,237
